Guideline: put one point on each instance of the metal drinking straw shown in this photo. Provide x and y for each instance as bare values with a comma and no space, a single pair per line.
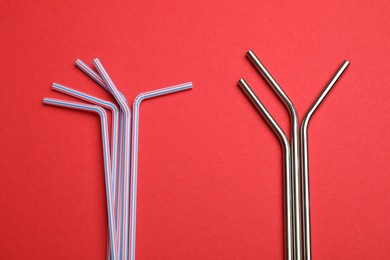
294,151
305,162
286,166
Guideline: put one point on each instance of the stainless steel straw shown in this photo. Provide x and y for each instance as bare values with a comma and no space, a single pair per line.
294,151
305,164
286,166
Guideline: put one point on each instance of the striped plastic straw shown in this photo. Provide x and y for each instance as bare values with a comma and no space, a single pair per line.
119,179
115,120
114,144
92,74
134,153
124,246
106,155
126,169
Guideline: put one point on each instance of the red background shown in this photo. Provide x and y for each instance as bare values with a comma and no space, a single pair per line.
210,174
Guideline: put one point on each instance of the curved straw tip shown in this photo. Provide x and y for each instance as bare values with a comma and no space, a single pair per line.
188,85
79,63
242,82
243,85
346,62
250,54
46,100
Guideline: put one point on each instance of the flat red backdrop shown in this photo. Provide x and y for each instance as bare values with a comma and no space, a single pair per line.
210,174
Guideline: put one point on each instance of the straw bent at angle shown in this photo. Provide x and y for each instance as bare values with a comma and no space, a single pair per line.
106,152
120,165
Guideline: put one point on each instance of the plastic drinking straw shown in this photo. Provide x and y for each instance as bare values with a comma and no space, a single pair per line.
305,161
134,153
118,198
114,142
114,133
294,151
124,247
286,166
106,155
91,73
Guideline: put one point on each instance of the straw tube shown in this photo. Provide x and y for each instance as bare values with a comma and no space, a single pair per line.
286,165
119,176
305,161
115,120
294,151
118,198
134,153
91,73
106,155
124,231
